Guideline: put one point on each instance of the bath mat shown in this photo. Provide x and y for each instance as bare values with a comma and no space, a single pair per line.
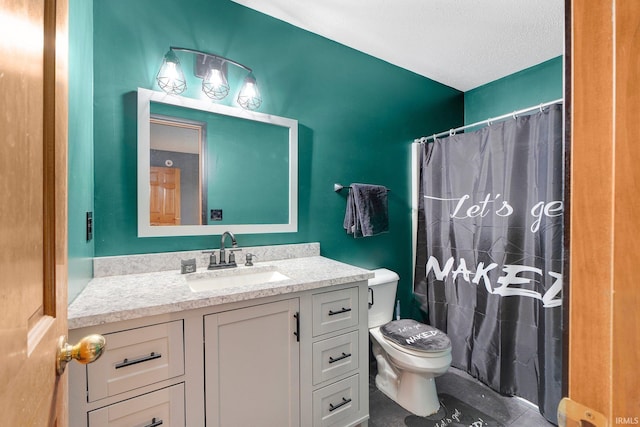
453,413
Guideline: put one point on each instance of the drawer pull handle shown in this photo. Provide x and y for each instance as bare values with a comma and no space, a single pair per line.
154,423
127,362
344,356
333,407
344,310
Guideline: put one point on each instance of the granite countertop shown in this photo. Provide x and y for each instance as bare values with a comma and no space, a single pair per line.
131,296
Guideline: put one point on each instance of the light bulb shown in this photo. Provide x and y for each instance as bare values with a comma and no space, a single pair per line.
249,97
170,77
215,85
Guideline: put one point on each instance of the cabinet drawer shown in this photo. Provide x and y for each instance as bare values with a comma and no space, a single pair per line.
336,404
136,358
335,356
335,310
161,408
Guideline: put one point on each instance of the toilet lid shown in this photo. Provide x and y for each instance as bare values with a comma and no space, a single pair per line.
415,336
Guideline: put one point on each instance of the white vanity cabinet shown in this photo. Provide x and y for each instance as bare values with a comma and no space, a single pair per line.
338,353
138,380
252,366
297,359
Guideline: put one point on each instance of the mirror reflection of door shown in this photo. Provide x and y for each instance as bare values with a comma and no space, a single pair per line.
165,196
176,165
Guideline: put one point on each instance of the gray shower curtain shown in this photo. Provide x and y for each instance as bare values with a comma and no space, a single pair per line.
489,266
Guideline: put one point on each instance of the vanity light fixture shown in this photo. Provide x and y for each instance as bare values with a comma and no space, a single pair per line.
212,69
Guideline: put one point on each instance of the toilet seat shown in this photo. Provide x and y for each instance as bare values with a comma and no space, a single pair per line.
414,353
411,359
414,337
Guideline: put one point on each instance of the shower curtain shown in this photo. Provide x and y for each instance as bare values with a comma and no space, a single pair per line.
489,259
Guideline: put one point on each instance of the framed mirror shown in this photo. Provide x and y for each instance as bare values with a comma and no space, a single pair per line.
206,168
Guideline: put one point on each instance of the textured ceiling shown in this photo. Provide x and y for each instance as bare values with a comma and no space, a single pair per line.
460,43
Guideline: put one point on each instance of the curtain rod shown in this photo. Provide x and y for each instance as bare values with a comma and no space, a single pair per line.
487,122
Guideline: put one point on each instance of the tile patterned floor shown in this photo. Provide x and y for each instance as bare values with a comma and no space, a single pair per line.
511,412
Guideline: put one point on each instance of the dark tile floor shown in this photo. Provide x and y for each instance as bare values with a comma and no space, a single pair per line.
509,411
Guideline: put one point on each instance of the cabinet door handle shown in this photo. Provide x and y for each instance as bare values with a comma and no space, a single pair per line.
127,362
333,407
344,310
154,423
344,356
297,332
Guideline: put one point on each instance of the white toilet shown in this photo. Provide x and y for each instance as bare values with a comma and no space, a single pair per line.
409,354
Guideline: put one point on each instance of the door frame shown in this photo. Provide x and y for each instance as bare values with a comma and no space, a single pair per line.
604,94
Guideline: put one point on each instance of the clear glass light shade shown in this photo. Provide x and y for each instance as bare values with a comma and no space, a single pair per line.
170,78
215,85
249,97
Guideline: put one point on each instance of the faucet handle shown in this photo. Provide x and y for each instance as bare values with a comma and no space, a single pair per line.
212,259
232,256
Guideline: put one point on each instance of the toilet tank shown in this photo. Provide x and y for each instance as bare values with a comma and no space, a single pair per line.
382,292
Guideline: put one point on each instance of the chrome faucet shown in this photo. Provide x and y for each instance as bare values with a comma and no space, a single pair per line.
223,258
234,244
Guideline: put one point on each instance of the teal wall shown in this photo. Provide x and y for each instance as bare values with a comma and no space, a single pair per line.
526,88
357,117
80,148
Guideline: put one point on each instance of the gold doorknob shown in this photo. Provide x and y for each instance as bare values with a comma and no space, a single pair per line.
88,350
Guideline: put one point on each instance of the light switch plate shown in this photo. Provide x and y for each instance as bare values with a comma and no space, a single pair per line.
89,226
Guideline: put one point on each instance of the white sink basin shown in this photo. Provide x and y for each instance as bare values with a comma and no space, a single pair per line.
212,280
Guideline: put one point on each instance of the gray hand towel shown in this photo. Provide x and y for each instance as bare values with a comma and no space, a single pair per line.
367,211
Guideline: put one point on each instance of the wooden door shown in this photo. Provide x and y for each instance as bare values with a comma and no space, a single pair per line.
164,206
604,296
33,212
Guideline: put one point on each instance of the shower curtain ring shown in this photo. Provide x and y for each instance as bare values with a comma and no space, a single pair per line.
452,132
541,108
514,115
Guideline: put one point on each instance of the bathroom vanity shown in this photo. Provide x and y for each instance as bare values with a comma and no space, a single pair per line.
249,348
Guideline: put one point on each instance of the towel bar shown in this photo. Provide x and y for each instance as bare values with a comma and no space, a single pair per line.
339,187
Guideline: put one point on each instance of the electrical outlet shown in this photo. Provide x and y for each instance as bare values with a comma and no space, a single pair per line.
216,214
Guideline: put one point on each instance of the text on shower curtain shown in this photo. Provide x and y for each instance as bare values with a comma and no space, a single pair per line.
492,204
